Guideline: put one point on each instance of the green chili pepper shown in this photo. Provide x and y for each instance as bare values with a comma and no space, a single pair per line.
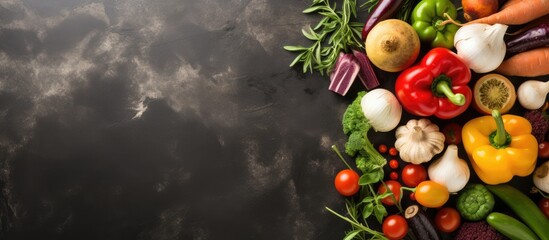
428,19
475,202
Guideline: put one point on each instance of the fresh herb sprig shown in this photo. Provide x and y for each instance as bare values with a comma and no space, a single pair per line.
336,32
359,230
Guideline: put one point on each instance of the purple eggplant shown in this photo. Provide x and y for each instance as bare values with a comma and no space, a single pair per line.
534,37
383,10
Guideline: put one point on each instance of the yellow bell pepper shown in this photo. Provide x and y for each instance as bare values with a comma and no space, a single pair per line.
500,147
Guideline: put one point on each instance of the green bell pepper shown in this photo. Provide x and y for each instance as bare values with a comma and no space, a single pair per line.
428,19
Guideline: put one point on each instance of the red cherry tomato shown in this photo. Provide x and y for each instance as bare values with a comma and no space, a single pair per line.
393,175
447,219
393,164
452,133
544,206
395,227
394,186
413,196
543,150
393,151
346,182
382,148
413,174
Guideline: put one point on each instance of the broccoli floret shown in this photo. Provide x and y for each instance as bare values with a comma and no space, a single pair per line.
355,144
356,126
361,163
370,167
353,118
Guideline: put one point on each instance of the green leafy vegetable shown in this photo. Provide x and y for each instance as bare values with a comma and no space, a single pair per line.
355,124
333,34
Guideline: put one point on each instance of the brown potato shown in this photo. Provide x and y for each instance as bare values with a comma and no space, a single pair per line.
392,45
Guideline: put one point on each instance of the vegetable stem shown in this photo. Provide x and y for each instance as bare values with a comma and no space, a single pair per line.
334,147
449,20
500,137
358,225
442,87
374,192
397,202
439,25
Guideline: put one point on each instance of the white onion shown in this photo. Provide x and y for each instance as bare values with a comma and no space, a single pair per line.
382,109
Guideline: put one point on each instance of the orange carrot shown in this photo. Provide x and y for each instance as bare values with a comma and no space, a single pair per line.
532,63
517,12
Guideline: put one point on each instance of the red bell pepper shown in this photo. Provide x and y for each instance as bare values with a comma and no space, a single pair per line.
437,86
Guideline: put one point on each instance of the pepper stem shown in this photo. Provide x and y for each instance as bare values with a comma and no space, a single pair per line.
443,87
439,26
500,138
450,20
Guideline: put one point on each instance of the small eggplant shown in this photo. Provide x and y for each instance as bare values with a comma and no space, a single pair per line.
420,224
534,37
383,10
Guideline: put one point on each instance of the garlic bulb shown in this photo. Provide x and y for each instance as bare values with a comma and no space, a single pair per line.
418,141
481,46
532,93
541,177
382,109
450,170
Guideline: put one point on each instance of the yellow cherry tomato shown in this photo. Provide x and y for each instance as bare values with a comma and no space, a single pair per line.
431,194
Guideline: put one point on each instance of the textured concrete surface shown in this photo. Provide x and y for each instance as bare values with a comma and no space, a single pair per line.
164,120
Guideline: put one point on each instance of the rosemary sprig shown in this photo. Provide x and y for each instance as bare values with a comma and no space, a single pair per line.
334,33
